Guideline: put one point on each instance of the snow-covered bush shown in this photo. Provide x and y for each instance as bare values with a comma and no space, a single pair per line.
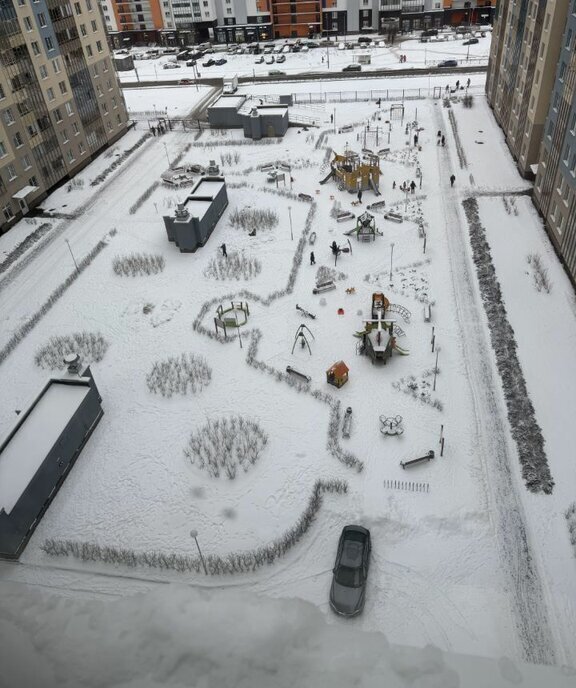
570,514
90,346
144,197
120,159
23,246
253,219
540,273
224,445
179,375
325,274
234,562
138,264
236,266
419,389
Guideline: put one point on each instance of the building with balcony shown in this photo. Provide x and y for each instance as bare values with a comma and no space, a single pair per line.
296,18
60,102
130,22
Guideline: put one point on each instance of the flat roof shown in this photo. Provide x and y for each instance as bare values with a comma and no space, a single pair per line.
278,110
207,187
228,102
23,455
196,208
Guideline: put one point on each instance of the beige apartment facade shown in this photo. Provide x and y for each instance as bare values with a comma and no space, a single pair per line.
60,101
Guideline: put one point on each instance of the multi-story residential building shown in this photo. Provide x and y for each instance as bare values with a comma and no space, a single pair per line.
526,43
417,15
244,21
60,102
555,184
296,18
133,22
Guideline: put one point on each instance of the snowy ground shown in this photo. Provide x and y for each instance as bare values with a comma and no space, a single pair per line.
442,570
320,60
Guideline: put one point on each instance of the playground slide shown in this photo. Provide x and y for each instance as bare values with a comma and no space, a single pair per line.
329,176
374,187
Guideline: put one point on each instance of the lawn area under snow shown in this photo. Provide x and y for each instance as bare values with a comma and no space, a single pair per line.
464,556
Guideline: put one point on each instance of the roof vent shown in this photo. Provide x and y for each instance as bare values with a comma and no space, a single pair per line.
72,362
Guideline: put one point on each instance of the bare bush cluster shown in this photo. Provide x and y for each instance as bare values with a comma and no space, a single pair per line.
459,148
230,158
120,159
325,274
90,346
540,273
138,264
253,219
229,564
333,445
421,389
235,266
23,246
510,205
224,445
54,297
570,514
144,197
178,159
525,429
179,375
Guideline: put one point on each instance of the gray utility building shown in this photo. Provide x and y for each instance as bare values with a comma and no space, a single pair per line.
258,119
195,219
38,453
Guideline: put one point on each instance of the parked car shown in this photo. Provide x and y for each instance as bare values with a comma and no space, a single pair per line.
259,59
185,82
296,48
220,61
281,58
448,63
429,32
355,67
350,573
276,72
471,41
364,39
171,65
209,63
190,63
277,49
268,50
270,59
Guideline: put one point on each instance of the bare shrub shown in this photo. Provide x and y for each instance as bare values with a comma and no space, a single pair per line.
540,273
90,346
138,264
324,274
253,219
224,445
236,266
179,375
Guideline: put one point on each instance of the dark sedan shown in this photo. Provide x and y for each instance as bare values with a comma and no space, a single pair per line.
209,63
348,590
221,61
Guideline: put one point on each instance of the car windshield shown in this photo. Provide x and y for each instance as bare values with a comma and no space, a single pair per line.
349,577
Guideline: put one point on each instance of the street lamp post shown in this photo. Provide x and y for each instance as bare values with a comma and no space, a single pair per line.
391,258
74,259
194,534
167,156
290,217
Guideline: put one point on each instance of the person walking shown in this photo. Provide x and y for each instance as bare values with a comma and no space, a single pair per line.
468,83
412,186
224,252
360,196
393,185
443,140
458,84
415,139
452,179
312,258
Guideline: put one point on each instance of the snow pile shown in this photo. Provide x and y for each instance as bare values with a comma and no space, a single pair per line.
176,636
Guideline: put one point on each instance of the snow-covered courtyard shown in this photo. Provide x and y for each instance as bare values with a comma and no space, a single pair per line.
471,550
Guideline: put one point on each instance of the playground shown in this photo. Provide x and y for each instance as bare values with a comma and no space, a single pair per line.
471,552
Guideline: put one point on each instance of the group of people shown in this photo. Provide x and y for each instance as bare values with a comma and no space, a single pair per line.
440,138
402,58
158,130
406,186
457,86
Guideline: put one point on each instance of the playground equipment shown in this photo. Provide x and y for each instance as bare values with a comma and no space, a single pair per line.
344,215
337,250
301,335
324,286
347,422
293,371
365,229
393,217
391,425
408,486
235,316
378,340
427,457
312,238
353,173
305,312
337,374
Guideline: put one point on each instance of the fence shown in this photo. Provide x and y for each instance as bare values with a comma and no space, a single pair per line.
387,94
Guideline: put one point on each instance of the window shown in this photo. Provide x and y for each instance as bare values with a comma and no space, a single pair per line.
2,94
43,72
95,70
77,8
9,117
18,143
11,171
70,156
562,71
49,43
7,210
63,88
69,109
105,108
94,25
27,23
573,165
3,151
56,66
114,102
89,50
119,119
33,181
83,30
32,131
99,90
35,48
81,148
89,5
228,10
99,46
26,164
556,100
50,94
568,39
64,135
105,66
75,128
566,154
58,115
109,84
573,124
41,19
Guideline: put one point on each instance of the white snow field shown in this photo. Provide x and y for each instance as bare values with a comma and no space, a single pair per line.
464,556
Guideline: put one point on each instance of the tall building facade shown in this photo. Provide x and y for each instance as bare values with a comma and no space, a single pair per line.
526,44
555,184
130,23
60,102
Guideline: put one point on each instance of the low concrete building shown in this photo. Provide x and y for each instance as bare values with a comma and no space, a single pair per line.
194,220
265,121
224,113
38,453
257,117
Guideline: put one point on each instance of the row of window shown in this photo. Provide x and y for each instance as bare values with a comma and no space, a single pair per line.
77,6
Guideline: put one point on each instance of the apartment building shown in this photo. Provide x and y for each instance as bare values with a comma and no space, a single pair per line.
555,184
60,103
417,15
130,22
296,18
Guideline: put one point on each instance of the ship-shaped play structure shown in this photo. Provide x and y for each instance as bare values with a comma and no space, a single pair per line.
354,173
378,338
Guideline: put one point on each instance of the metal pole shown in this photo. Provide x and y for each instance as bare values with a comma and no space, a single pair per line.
433,338
290,216
391,257
74,259
237,328
435,369
194,534
167,156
